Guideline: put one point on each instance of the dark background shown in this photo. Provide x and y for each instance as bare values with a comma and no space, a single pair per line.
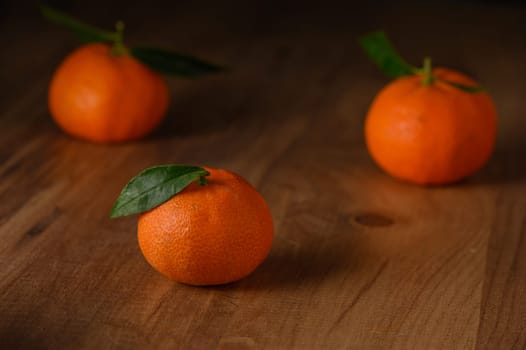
418,28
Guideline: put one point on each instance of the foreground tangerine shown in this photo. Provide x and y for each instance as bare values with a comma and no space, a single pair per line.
101,96
214,228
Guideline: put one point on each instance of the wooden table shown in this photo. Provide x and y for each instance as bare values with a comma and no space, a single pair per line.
360,261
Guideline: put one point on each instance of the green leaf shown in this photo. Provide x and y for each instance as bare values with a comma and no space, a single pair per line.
154,186
466,88
172,63
383,54
85,32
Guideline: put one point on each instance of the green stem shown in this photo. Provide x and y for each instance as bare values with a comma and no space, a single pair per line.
203,181
427,72
118,45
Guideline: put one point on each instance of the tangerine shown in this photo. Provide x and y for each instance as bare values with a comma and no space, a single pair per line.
208,235
431,134
102,96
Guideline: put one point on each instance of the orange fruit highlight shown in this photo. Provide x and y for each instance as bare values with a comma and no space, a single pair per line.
207,235
102,97
434,134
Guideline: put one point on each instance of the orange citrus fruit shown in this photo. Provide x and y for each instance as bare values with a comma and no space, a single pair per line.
101,96
433,134
207,235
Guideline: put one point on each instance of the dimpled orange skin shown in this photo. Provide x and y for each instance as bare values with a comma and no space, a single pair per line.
101,97
431,135
208,235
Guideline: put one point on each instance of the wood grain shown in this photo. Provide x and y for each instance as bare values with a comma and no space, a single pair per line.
360,261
